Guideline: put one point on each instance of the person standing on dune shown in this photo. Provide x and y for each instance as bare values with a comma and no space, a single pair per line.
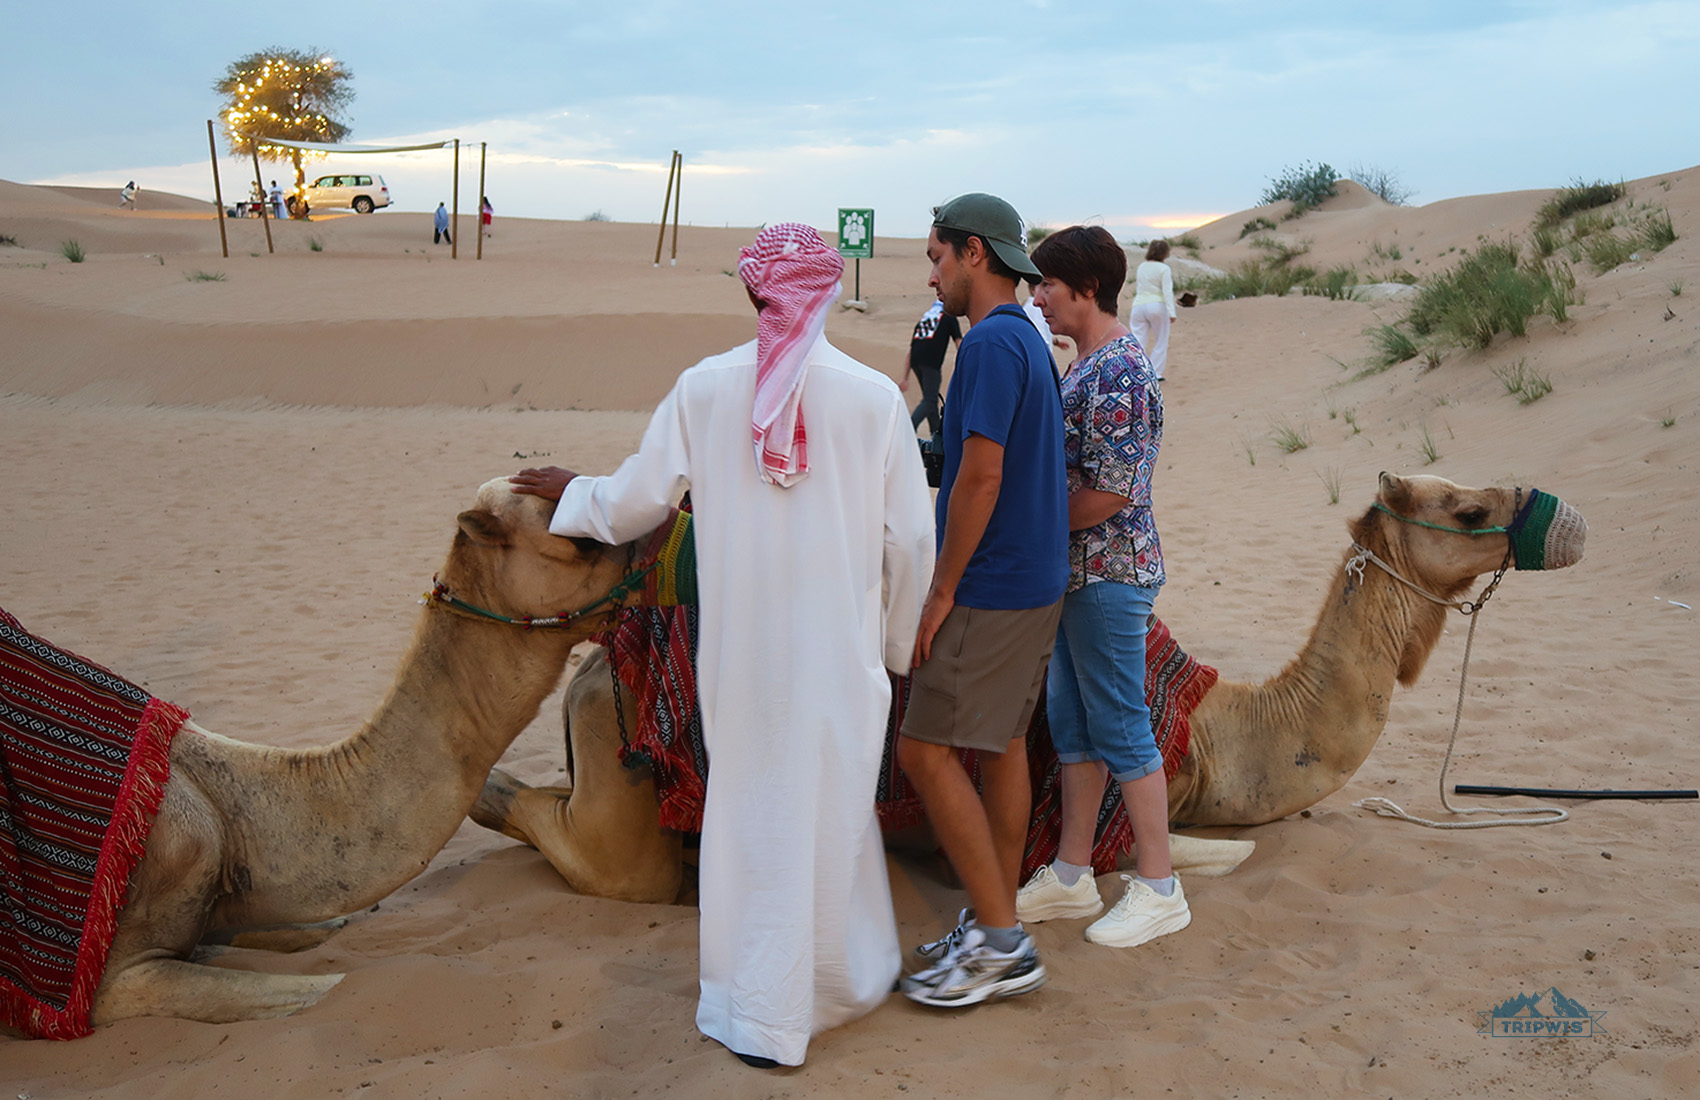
814,539
1153,309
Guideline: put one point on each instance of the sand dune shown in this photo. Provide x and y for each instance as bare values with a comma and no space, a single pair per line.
233,491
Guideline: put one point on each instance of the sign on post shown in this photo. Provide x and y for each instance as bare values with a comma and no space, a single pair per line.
855,233
856,241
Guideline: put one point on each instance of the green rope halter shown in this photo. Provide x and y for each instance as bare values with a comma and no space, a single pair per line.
628,584
1380,507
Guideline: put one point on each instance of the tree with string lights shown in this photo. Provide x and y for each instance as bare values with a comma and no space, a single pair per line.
296,95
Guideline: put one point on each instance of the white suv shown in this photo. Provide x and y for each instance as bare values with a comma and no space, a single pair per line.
362,193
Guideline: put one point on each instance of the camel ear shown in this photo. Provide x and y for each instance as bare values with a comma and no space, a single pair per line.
483,527
1395,492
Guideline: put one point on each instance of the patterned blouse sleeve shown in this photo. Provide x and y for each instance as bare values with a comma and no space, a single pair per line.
1116,443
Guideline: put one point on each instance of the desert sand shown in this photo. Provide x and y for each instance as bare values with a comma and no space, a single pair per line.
233,489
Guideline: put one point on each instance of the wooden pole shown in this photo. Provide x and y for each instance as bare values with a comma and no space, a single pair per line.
666,201
678,159
481,148
454,219
265,215
218,193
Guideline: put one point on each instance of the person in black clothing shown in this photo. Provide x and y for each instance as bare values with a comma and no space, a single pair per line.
933,334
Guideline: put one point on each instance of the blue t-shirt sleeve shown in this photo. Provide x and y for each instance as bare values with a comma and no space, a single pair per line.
988,407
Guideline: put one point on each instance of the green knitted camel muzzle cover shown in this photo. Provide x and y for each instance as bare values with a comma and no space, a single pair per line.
1547,533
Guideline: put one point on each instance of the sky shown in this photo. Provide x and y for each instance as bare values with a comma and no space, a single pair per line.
1143,117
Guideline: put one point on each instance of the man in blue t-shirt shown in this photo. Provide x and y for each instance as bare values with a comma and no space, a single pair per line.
990,620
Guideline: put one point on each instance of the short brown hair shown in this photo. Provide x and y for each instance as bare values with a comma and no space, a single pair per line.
1158,251
1087,260
958,240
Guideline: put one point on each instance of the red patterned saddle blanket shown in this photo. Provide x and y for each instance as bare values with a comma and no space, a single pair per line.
653,650
83,767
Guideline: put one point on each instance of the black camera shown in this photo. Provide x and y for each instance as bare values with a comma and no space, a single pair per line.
932,457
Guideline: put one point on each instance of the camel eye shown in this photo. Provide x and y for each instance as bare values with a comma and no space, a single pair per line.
1473,517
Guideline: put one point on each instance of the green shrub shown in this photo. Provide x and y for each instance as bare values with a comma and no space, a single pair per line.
1392,345
1279,252
1576,198
1250,279
1560,292
1289,439
1426,448
204,276
1657,232
1487,293
1546,240
8,241
1590,223
1607,250
315,244
597,216
1035,234
1331,482
1537,387
1279,280
1255,225
1523,383
72,251
1337,284
1304,186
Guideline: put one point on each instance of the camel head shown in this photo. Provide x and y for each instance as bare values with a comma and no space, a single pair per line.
1442,536
505,560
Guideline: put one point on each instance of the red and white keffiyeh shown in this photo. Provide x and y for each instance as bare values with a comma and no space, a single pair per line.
797,275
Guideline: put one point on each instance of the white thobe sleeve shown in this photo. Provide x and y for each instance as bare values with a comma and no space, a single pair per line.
1169,290
635,498
909,543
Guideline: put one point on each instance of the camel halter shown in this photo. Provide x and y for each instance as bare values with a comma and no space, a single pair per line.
667,578
440,594
1386,807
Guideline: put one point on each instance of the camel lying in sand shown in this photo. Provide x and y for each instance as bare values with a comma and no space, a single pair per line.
250,836
1258,753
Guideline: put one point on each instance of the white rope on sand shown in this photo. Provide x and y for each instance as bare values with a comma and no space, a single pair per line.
1386,807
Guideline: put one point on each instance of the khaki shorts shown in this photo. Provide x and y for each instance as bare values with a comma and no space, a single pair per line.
979,688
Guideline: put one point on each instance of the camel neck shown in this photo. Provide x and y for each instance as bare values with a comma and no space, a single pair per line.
368,813
1298,737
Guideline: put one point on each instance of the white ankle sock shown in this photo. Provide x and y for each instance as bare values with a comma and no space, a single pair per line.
1068,873
1163,886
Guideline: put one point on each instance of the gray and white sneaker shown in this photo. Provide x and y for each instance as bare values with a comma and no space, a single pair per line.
976,973
945,944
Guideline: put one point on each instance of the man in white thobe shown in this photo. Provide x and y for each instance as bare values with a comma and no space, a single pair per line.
814,537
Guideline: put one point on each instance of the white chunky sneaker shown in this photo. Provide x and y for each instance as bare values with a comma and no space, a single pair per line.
1141,915
976,973
1046,898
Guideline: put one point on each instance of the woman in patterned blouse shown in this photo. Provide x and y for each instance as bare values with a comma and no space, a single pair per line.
1113,417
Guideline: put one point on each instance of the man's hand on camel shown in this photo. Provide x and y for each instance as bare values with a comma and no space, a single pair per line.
547,482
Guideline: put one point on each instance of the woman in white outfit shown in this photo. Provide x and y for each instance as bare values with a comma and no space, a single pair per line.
1153,305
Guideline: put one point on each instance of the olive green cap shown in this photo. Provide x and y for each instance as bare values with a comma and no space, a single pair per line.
994,221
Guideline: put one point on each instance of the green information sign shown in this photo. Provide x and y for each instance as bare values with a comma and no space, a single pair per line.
855,233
